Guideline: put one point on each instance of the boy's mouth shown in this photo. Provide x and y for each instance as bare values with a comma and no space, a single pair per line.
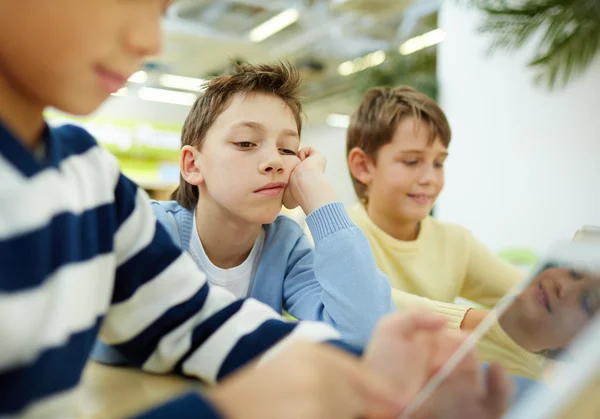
542,297
271,189
421,199
110,80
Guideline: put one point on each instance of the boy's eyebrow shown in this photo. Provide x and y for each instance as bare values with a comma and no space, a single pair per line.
248,124
261,127
290,133
443,153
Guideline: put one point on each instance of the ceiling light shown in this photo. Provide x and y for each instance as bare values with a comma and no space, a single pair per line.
181,82
362,63
339,121
139,77
346,68
274,25
121,92
423,41
167,96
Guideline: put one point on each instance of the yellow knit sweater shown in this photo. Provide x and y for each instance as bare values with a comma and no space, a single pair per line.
443,263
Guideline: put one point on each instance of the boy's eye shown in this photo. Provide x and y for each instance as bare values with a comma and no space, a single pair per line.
245,144
411,162
438,165
575,275
586,305
288,151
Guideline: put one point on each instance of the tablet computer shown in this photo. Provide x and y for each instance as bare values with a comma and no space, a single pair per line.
544,314
573,375
587,233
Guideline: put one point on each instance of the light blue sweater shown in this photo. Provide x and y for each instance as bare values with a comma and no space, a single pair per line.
336,280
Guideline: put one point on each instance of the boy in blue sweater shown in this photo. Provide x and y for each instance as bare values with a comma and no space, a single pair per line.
240,161
81,254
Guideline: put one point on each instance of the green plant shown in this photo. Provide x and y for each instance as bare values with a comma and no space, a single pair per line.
417,70
567,33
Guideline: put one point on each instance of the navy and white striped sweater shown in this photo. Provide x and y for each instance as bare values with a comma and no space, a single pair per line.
81,254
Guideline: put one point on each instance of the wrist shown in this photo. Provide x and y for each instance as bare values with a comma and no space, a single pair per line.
472,319
313,191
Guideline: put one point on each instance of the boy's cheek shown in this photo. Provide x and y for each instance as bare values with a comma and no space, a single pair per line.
293,163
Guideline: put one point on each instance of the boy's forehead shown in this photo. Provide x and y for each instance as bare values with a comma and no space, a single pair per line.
415,133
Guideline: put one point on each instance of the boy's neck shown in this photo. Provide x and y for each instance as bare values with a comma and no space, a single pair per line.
404,231
227,241
22,116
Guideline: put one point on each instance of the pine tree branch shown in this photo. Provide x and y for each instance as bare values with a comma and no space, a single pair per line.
570,34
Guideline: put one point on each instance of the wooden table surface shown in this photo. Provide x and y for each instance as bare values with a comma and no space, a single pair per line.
113,392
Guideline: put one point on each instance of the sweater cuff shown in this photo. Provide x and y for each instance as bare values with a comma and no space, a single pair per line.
327,220
454,313
189,405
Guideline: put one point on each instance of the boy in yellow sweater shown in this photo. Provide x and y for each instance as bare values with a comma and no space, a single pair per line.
397,143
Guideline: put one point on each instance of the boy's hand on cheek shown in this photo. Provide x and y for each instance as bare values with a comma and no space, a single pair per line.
307,186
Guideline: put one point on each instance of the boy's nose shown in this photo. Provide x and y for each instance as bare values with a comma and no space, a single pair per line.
272,166
427,176
272,162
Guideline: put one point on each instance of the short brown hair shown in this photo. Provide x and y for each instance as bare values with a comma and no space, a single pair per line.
280,79
380,111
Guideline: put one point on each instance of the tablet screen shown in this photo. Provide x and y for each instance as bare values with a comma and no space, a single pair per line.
538,319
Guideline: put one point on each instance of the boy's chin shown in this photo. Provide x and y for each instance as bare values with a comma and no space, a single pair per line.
82,105
417,215
263,218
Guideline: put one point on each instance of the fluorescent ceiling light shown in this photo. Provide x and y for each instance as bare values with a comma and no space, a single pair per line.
274,25
139,77
181,82
167,96
362,63
339,121
423,41
121,92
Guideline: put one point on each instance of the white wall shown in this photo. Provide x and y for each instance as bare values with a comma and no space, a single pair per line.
524,166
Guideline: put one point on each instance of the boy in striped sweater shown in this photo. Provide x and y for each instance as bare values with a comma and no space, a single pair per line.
81,254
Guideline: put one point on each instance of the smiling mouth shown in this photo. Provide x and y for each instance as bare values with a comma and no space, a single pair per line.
542,297
110,80
421,198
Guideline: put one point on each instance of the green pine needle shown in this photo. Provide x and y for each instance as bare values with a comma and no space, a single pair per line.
570,34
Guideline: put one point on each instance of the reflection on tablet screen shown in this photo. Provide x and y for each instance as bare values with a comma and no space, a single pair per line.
552,309
542,316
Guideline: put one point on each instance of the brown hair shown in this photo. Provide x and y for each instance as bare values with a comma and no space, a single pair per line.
380,111
280,79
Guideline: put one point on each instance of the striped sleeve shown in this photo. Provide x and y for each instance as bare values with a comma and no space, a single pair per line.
165,317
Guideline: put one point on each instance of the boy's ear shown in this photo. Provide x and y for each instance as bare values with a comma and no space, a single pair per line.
360,165
189,166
